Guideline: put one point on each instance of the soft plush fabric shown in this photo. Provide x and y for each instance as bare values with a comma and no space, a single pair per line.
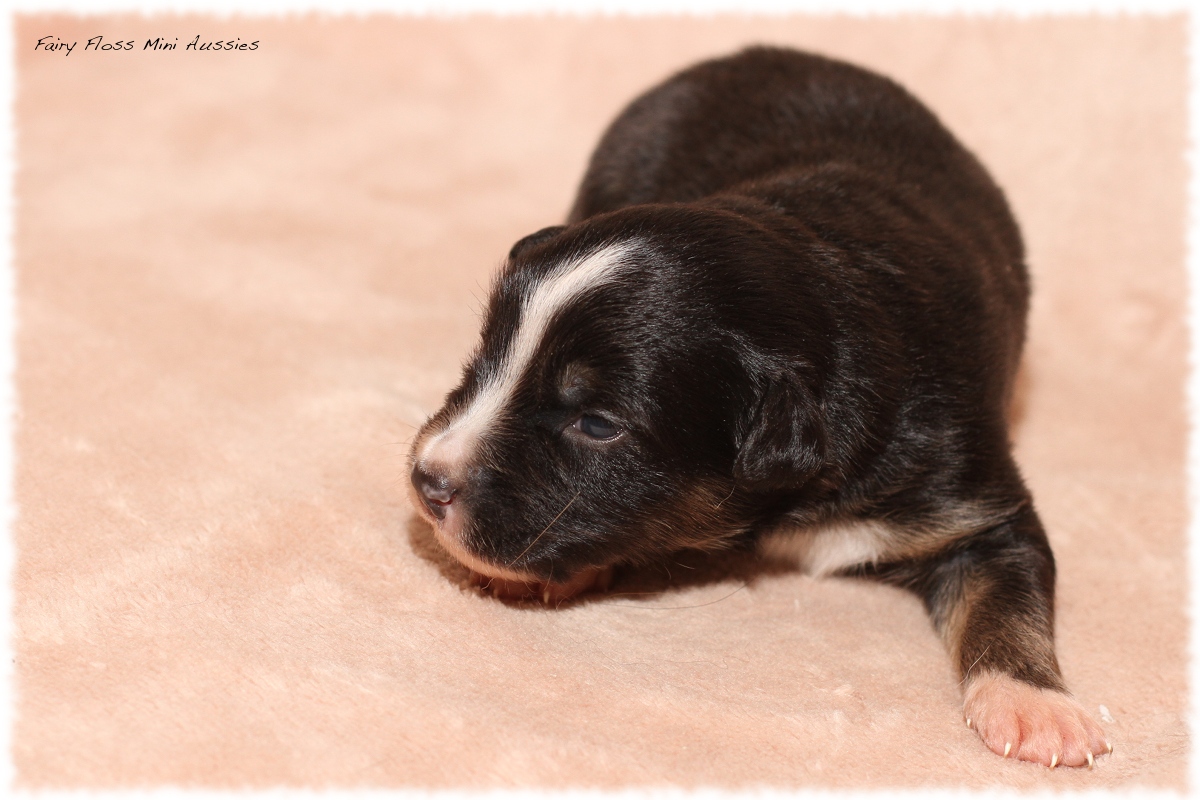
244,278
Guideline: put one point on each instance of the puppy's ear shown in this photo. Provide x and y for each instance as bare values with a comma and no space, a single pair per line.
782,441
544,235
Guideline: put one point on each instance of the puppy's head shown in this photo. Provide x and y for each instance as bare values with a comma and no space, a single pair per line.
616,406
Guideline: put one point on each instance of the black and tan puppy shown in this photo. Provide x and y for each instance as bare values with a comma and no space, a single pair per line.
786,310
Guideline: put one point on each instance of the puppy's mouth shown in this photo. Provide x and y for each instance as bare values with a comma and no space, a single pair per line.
592,579
504,582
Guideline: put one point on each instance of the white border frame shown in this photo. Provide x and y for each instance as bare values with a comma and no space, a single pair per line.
1018,8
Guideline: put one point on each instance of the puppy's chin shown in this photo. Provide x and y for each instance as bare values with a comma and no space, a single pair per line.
591,579
501,581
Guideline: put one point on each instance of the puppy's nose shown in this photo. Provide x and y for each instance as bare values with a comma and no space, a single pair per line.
435,489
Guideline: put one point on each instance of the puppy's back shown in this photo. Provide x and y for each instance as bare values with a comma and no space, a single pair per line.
843,152
770,113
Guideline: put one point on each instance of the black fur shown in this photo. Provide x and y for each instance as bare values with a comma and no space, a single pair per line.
820,320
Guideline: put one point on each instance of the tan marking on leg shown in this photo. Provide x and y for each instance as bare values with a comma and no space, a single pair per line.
958,613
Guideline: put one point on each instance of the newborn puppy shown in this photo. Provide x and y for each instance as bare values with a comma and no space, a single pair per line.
786,311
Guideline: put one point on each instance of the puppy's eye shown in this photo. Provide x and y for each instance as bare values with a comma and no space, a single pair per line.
596,427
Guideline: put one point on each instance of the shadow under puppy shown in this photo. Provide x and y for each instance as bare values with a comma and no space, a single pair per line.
786,311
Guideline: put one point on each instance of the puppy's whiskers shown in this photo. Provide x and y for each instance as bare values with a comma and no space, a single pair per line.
717,507
967,672
543,533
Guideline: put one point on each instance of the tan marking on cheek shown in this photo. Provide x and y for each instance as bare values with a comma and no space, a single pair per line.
702,519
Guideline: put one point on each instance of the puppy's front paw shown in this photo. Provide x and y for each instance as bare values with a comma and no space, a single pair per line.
1042,725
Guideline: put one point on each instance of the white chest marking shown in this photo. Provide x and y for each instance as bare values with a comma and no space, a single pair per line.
566,283
827,548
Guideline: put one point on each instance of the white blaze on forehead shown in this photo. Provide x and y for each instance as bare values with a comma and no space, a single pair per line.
563,285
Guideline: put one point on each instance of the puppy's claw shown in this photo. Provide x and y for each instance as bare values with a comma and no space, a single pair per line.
1109,746
968,722
546,595
1091,760
1024,722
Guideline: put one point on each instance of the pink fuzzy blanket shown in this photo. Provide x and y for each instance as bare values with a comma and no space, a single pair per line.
244,276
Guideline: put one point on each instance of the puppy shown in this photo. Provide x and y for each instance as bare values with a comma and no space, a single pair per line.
786,311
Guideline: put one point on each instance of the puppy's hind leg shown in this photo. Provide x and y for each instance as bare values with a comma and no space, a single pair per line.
991,596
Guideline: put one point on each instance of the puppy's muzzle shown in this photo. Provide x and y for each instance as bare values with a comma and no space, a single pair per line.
436,490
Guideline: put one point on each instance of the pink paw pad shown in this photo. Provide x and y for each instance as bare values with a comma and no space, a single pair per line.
1040,725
